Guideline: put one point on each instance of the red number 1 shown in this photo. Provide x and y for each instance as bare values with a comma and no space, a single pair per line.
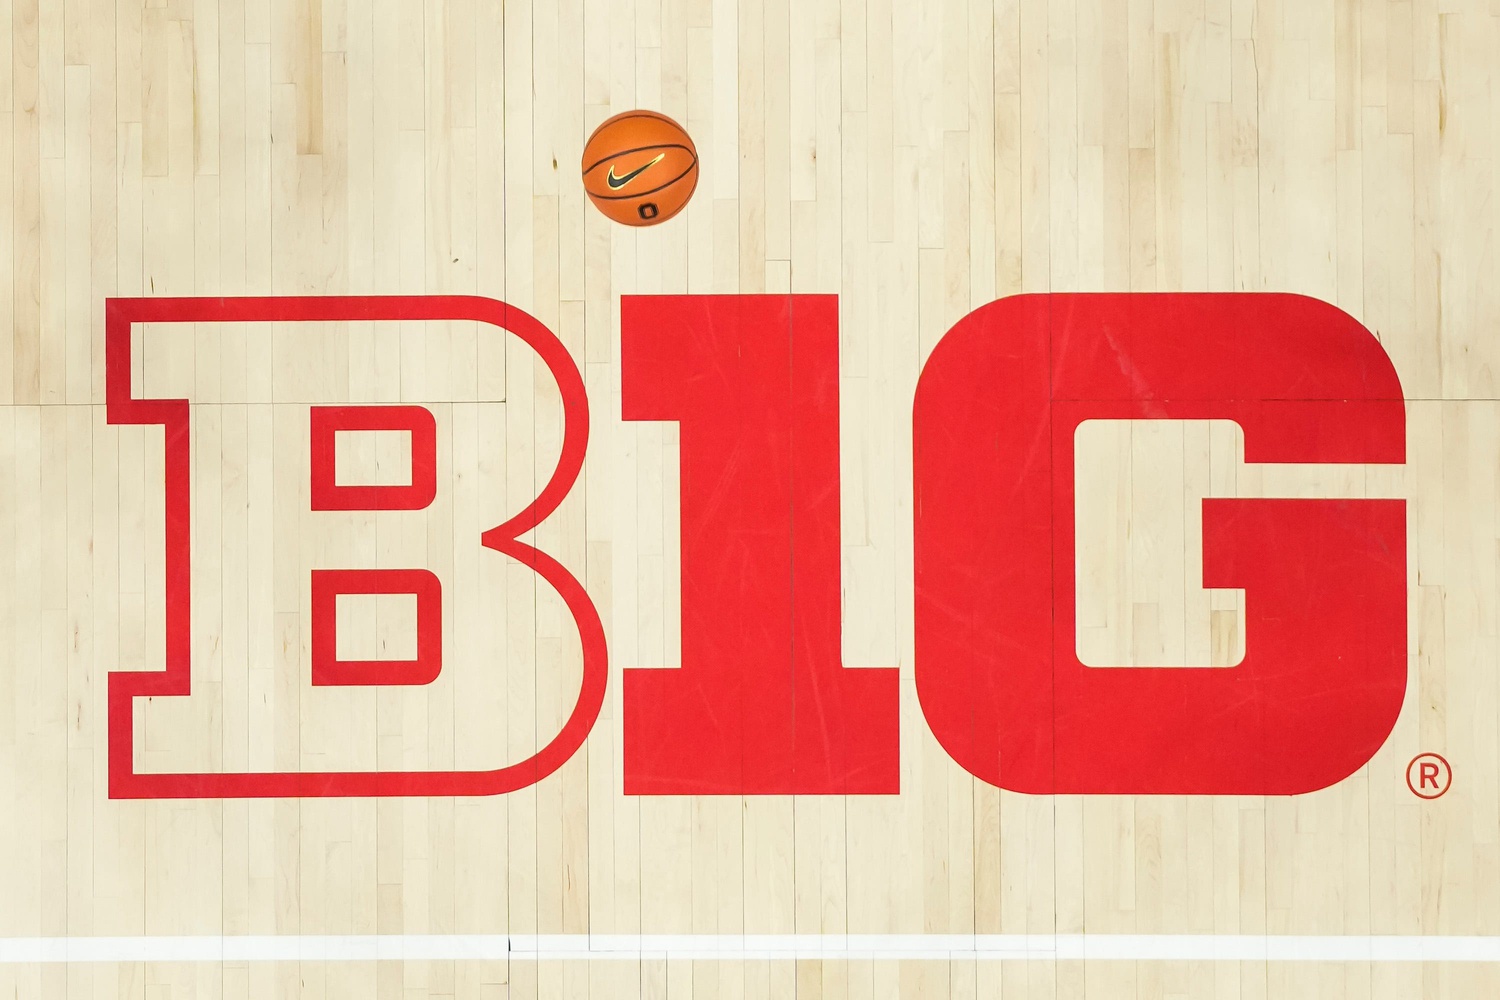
761,704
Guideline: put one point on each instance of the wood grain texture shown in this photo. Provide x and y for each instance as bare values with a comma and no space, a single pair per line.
919,159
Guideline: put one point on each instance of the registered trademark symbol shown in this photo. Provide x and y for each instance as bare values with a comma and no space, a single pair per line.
1429,775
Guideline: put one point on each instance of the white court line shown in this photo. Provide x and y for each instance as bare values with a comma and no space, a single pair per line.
732,947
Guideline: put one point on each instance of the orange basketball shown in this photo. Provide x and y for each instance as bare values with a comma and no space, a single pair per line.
640,168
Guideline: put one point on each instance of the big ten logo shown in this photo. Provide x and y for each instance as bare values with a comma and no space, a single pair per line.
1032,666
342,501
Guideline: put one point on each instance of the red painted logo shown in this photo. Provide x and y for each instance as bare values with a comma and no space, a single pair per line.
1429,776
124,407
1001,686
761,703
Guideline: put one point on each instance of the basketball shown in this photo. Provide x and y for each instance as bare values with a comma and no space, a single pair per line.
640,168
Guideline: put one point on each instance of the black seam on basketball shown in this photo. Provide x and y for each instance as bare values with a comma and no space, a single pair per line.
639,149
642,194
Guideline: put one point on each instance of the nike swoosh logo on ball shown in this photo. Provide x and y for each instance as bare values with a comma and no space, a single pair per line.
619,182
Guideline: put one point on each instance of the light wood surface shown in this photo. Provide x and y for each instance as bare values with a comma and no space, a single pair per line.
919,159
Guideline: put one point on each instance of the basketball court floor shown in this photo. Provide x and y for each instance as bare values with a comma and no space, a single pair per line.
415,584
